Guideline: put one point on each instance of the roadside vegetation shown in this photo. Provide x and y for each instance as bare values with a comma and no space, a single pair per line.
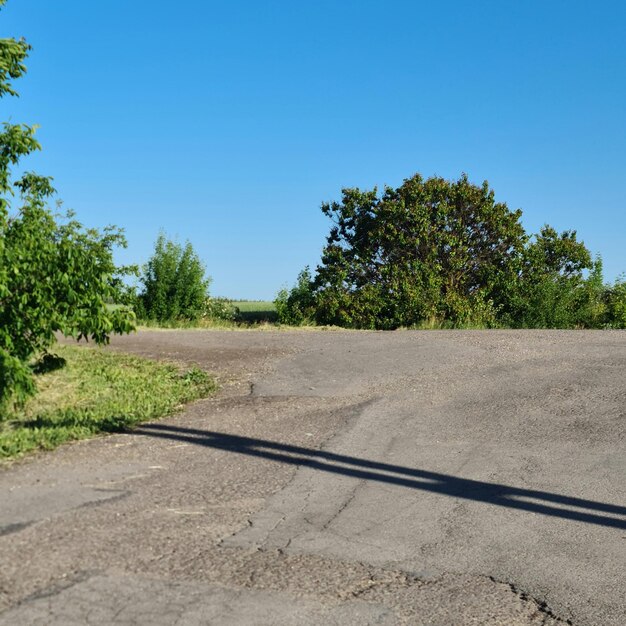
57,276
83,392
173,292
438,253
256,311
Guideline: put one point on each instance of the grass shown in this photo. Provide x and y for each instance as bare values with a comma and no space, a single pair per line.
186,324
251,314
97,392
255,311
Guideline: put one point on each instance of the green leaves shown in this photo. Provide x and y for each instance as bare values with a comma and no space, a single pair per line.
16,380
614,298
431,249
12,55
440,253
551,290
58,277
297,306
174,284
16,141
55,276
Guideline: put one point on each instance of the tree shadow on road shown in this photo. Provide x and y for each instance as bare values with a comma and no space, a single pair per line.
542,502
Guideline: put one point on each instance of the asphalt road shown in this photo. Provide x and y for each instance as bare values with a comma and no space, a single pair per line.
432,478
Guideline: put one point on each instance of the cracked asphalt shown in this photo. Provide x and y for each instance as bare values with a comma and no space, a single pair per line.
431,478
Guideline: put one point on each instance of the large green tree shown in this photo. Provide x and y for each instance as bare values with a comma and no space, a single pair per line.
55,276
445,253
429,250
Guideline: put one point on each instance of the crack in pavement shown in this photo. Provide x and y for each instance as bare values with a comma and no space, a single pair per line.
16,527
343,506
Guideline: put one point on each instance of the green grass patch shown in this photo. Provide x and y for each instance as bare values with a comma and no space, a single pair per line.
97,392
245,314
254,305
254,311
187,324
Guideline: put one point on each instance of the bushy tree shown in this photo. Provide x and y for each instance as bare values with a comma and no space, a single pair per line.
174,283
297,305
445,253
552,290
55,276
615,302
429,250
591,306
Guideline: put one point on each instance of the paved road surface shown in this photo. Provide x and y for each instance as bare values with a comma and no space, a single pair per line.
432,478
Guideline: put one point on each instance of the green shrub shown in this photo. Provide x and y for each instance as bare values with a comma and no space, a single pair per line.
429,250
615,299
296,306
174,284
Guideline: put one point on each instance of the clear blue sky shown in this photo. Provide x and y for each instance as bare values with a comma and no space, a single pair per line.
228,123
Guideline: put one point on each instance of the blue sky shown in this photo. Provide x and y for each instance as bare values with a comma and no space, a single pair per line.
228,123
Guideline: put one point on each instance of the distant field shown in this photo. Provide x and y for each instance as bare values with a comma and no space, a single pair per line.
256,311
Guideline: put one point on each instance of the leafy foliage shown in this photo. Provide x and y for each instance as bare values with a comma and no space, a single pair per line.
551,286
297,306
55,276
615,302
13,53
174,284
431,249
439,253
